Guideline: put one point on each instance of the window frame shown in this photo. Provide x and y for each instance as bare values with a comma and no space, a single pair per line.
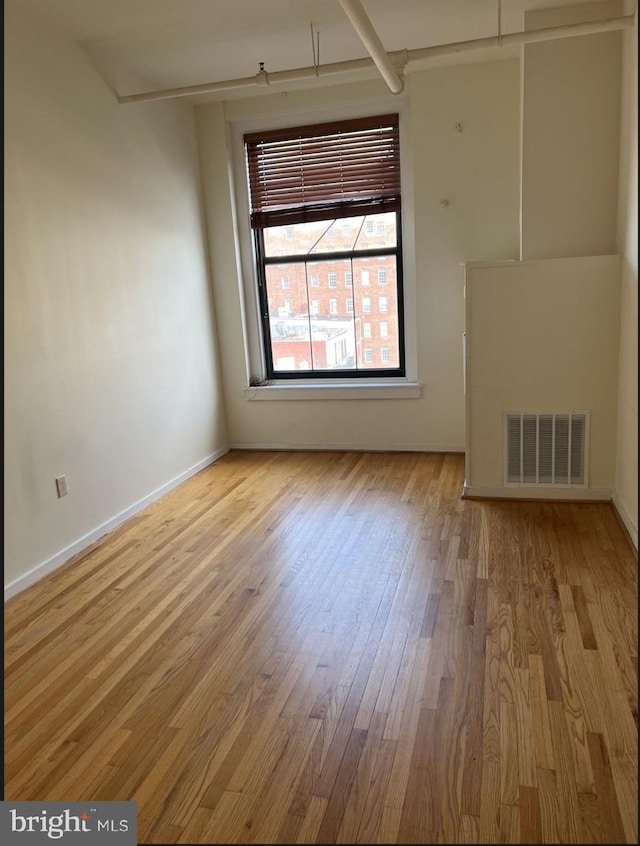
329,173
364,372
241,120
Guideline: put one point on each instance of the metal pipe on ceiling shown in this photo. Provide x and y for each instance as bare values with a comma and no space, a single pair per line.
404,56
354,10
530,36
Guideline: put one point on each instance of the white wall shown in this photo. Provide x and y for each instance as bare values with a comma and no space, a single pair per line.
626,485
571,132
542,336
476,170
111,372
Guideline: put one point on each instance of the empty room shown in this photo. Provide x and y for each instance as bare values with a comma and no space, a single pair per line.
321,421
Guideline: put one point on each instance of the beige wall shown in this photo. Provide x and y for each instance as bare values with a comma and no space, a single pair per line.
477,171
571,121
110,359
626,487
542,336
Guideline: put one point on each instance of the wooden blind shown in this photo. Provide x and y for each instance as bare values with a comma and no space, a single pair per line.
338,169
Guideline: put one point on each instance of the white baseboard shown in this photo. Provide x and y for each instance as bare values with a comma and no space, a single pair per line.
40,570
629,525
566,494
358,447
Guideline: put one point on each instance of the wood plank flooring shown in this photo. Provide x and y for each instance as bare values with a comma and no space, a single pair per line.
336,648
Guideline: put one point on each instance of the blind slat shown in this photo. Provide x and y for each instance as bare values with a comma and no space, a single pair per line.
333,127
341,169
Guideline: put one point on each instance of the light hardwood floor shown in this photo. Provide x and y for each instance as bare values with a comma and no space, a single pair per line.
335,647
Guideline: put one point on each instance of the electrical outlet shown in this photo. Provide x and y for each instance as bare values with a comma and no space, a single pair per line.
61,485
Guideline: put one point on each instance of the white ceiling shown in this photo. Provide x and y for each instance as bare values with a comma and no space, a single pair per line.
140,45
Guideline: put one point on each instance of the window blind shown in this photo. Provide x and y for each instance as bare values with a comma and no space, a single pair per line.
338,169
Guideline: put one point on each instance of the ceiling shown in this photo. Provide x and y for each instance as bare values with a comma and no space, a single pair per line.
141,45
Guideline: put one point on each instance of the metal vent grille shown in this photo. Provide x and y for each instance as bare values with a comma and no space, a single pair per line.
546,447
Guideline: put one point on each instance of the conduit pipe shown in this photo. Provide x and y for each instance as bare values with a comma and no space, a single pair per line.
263,78
359,20
530,36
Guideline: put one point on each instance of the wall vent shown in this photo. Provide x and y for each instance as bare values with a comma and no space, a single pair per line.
546,448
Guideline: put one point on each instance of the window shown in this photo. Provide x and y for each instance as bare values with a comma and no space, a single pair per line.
385,354
384,329
383,303
382,276
285,282
366,330
305,183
